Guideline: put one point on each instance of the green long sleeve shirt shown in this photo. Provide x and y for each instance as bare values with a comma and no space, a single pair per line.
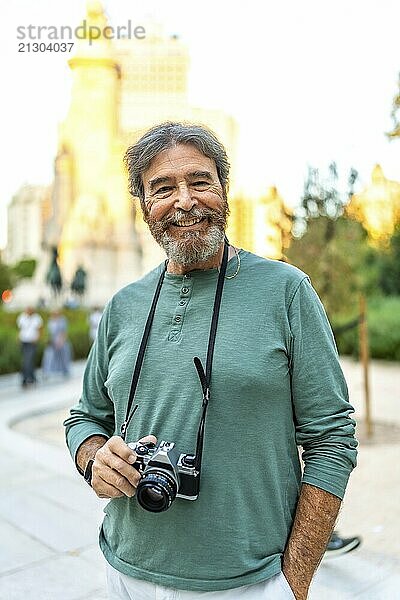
276,384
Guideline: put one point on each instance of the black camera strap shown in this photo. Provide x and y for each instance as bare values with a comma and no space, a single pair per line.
140,356
205,377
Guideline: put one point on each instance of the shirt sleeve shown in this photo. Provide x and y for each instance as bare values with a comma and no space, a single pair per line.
321,405
94,413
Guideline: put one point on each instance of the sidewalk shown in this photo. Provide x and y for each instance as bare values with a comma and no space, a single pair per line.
49,517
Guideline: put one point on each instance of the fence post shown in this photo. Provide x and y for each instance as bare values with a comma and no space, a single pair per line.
364,356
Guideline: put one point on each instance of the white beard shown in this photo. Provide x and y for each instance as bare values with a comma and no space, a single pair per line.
193,246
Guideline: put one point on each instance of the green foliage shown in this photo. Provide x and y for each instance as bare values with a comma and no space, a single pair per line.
389,266
6,278
24,269
383,319
10,356
333,252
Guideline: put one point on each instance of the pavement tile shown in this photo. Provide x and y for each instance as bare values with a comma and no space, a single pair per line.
94,555
48,509
17,549
73,494
63,578
52,524
352,574
15,471
388,589
98,595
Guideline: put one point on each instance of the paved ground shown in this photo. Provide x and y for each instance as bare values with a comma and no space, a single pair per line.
49,518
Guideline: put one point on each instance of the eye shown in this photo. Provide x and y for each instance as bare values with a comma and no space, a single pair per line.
164,191
201,185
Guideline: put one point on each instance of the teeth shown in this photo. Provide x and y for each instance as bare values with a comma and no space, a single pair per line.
188,223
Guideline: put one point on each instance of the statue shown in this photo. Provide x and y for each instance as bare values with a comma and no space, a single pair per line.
53,277
78,285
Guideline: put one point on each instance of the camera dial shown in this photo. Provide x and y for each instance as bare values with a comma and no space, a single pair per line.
188,460
141,450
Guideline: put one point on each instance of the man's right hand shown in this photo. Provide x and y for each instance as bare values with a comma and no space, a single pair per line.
112,474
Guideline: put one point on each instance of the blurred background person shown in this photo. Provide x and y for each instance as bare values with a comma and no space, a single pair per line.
57,355
30,325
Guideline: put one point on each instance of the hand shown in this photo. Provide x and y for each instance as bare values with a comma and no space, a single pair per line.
112,474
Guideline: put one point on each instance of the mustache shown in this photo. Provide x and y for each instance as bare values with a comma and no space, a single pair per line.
196,213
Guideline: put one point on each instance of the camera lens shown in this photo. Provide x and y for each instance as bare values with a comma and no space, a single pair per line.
156,491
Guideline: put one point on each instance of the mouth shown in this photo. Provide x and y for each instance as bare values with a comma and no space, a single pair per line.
194,223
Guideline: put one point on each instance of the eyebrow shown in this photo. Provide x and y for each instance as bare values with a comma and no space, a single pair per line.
205,174
153,183
157,180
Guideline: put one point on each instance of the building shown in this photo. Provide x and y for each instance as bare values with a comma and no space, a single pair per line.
26,215
377,207
261,225
120,88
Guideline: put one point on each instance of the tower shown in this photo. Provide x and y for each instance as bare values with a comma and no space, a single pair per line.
93,218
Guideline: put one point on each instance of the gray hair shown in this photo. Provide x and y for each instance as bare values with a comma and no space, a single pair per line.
167,135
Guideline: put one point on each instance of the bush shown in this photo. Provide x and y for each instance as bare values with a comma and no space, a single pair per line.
10,354
383,320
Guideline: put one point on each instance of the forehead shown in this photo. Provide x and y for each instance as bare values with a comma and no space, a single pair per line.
179,161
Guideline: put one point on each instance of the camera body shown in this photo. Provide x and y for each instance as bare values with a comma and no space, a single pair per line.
166,475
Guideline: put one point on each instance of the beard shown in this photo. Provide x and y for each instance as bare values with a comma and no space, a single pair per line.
191,246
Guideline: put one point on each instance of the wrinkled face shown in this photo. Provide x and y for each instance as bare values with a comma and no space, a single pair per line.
185,206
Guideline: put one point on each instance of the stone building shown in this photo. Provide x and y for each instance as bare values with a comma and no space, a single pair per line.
26,215
120,88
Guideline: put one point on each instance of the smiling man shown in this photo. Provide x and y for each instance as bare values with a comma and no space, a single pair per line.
212,503
192,234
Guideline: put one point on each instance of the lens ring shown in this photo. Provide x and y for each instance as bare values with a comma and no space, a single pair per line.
153,484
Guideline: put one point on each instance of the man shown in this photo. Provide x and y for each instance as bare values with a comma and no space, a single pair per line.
258,528
30,325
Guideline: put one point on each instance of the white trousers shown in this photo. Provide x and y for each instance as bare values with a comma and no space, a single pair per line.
123,587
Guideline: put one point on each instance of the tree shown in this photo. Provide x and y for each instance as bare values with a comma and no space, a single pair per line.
6,278
327,245
333,254
389,266
25,268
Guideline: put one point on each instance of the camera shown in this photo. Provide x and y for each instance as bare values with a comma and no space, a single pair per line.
166,475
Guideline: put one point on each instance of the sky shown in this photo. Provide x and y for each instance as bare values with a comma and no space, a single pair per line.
308,83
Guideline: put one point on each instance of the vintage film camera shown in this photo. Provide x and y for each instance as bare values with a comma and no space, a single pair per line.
166,475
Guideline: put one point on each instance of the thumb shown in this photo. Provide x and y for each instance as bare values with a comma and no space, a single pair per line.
148,438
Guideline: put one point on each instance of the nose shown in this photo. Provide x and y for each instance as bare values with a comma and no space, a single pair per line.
185,201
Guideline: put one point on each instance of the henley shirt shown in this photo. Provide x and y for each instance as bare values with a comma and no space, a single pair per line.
276,385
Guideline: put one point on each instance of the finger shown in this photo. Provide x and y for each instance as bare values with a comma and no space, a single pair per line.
114,479
126,469
117,446
104,489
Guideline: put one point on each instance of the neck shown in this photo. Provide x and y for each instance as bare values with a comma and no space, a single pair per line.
212,263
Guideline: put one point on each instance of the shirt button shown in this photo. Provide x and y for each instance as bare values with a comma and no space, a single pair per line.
178,318
187,276
182,302
185,290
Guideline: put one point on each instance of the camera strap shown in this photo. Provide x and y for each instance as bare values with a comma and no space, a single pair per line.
140,356
204,376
